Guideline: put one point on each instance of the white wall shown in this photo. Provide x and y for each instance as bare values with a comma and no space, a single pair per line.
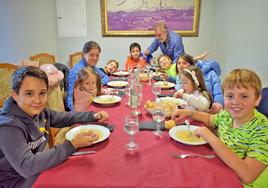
241,36
234,31
26,27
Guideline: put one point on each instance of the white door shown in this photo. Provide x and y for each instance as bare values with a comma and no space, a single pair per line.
71,18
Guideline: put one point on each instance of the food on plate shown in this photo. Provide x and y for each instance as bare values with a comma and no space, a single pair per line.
188,136
168,107
117,83
106,100
149,104
169,124
85,130
165,84
143,77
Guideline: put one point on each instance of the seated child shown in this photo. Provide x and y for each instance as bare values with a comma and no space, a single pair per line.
165,63
87,86
242,130
135,59
111,67
211,71
194,91
24,125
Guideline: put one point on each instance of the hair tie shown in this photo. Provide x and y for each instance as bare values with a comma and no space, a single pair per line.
193,76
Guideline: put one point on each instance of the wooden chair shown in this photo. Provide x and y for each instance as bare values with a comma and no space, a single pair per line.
75,58
43,58
6,71
25,62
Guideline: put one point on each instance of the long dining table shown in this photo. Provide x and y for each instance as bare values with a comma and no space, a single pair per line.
152,165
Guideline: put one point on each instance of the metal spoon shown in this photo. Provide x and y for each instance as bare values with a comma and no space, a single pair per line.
188,126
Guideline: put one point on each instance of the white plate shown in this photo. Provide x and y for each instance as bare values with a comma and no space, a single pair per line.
121,73
107,99
165,85
173,100
103,132
172,133
118,84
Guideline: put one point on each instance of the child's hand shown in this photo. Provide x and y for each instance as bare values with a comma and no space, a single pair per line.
164,76
101,116
180,115
215,108
205,133
178,94
84,139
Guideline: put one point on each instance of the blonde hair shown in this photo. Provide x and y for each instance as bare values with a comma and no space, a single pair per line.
162,26
201,86
243,78
84,73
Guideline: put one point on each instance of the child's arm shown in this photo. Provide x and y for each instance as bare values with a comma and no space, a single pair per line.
247,169
201,56
201,103
204,117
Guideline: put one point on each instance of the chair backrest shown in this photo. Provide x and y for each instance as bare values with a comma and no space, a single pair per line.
263,106
43,58
6,71
75,58
26,62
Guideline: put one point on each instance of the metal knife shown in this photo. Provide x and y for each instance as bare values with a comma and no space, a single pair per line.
83,153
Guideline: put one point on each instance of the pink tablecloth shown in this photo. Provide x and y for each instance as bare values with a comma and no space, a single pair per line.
151,166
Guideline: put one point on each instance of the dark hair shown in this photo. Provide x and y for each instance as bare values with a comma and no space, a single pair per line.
200,78
134,45
30,71
91,45
188,58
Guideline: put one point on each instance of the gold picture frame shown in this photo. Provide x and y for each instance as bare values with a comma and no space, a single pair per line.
137,17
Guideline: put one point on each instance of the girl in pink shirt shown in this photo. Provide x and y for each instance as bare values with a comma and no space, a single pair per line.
87,87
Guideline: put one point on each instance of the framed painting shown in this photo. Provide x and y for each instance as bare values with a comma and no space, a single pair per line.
138,17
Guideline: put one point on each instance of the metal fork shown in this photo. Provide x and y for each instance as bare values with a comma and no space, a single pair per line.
183,156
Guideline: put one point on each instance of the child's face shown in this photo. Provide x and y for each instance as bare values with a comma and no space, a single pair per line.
182,64
240,103
111,67
187,84
92,57
164,62
90,84
32,97
135,53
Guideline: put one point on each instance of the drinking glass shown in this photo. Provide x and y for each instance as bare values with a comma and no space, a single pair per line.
150,75
156,89
158,116
132,127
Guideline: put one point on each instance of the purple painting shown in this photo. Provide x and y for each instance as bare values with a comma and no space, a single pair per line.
137,17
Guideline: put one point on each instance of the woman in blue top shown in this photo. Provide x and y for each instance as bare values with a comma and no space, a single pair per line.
91,53
211,70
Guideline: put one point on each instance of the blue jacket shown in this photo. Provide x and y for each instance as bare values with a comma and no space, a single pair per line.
72,77
174,47
211,70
